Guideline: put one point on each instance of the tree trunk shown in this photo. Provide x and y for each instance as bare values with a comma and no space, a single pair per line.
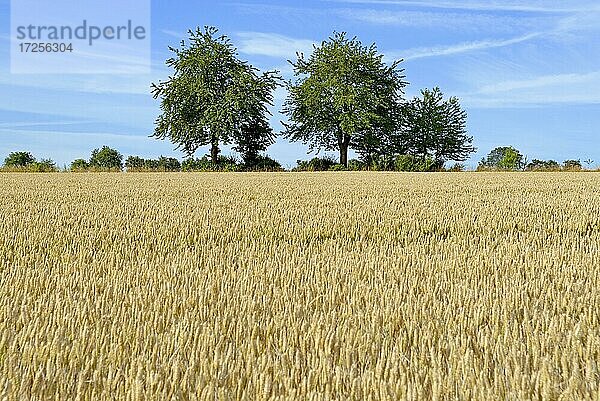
214,150
344,155
344,142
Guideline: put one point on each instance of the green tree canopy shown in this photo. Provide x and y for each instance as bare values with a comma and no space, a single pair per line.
541,165
79,165
344,91
136,163
106,159
434,128
19,159
255,137
503,158
44,166
213,97
573,165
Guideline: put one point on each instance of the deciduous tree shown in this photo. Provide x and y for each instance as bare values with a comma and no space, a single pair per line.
19,159
343,91
212,97
106,158
434,128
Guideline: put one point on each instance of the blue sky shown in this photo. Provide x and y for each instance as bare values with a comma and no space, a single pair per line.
527,72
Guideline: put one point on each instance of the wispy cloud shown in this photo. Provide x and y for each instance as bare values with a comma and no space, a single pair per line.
272,45
96,84
572,88
13,125
447,20
174,34
522,6
437,51
132,137
560,80
577,22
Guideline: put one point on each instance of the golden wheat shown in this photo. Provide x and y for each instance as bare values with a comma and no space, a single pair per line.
299,286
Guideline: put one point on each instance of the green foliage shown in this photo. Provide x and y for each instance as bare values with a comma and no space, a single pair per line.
106,159
224,163
374,144
338,167
572,165
19,159
512,160
503,158
343,92
543,165
433,128
79,165
263,163
136,163
43,166
168,164
411,163
383,163
356,165
457,167
25,162
407,163
213,97
316,164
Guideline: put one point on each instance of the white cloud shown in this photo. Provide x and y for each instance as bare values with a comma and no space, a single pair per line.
117,84
437,51
461,21
91,83
577,22
272,45
13,125
572,88
558,80
175,34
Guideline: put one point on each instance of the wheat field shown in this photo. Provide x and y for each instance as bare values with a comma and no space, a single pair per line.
316,286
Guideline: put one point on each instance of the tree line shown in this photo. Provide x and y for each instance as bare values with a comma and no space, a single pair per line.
507,158
106,159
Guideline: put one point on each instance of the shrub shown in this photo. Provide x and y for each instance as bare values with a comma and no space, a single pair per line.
134,163
263,163
163,164
19,159
25,162
43,166
502,158
383,163
542,165
168,164
410,163
79,165
225,163
316,164
572,165
457,167
338,167
356,165
106,159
